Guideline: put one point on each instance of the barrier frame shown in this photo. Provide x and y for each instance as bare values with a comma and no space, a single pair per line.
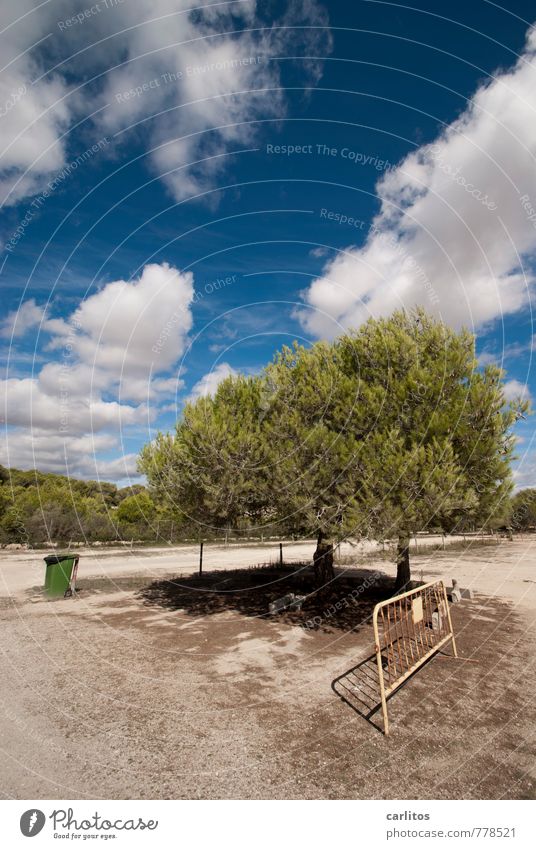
436,593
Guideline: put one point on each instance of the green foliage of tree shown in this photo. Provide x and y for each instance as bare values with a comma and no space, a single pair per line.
389,430
213,470
522,514
441,435
136,509
127,491
38,507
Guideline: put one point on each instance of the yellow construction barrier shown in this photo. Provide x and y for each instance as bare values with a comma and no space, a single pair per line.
408,629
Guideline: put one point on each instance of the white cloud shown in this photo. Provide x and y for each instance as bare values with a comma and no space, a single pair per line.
319,252
487,358
123,468
514,350
25,404
514,389
123,338
525,467
130,328
208,384
196,81
18,322
151,390
453,226
48,452
74,456
33,116
113,358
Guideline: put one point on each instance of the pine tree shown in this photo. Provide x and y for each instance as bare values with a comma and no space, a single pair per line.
390,430
440,429
214,469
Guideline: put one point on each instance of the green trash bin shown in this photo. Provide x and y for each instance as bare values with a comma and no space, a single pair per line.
60,576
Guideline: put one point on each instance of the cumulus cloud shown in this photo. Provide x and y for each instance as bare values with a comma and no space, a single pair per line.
208,384
111,369
18,322
26,404
131,325
76,456
514,389
124,468
194,82
525,471
34,116
455,222
123,336
26,449
191,82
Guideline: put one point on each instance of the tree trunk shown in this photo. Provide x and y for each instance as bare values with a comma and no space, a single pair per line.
403,571
323,561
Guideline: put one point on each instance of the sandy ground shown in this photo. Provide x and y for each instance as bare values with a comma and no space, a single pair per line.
23,570
195,692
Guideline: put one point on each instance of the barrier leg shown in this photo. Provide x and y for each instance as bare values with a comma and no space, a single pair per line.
382,693
453,641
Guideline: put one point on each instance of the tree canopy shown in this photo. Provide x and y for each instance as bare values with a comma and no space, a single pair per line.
388,430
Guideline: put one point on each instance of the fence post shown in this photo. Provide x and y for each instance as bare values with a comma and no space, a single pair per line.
280,553
201,558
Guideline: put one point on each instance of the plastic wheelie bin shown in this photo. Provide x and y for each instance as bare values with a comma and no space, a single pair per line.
60,576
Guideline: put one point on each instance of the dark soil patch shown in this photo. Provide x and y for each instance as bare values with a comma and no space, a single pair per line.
344,604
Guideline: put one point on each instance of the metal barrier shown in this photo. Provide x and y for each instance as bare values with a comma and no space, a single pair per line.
408,629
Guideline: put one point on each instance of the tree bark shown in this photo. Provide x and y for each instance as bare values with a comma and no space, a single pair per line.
403,570
323,561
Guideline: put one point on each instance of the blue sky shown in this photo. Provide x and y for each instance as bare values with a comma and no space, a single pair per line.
186,189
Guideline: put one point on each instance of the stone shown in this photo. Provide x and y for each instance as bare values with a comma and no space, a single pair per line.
456,593
436,620
291,601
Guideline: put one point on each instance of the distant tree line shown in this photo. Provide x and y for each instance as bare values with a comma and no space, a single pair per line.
522,510
38,507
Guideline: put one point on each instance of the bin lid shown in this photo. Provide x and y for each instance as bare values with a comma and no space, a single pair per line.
51,559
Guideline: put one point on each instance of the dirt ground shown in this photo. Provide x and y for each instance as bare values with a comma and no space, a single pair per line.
22,570
189,689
